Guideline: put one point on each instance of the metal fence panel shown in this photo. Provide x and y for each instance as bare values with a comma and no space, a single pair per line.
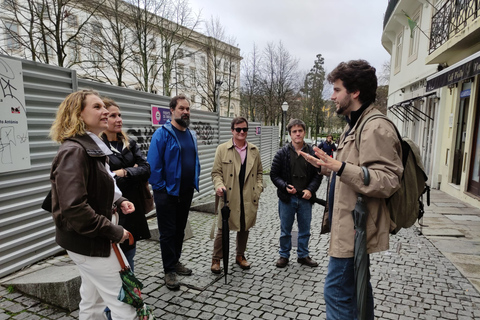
27,232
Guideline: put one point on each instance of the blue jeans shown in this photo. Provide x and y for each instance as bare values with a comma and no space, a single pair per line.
286,211
129,255
339,290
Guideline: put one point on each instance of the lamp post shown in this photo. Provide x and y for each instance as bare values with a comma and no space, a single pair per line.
218,83
284,125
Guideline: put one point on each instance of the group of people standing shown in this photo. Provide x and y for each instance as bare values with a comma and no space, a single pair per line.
98,168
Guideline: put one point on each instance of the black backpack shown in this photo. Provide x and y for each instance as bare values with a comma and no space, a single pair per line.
405,205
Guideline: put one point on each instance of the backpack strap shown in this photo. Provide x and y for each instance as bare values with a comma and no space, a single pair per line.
358,131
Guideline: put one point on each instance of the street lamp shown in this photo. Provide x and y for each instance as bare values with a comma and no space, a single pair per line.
285,109
218,83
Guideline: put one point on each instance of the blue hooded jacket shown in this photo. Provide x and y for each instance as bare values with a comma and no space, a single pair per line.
164,157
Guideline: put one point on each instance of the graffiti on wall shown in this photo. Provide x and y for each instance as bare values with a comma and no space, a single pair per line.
143,136
14,149
205,132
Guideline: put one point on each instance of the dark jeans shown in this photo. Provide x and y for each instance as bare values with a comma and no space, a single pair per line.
339,290
172,215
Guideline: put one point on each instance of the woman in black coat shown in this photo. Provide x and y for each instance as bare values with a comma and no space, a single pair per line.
131,173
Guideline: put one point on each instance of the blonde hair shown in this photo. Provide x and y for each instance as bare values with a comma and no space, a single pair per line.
68,122
121,135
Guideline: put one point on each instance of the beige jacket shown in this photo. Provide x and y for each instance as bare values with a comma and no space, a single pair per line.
380,151
225,171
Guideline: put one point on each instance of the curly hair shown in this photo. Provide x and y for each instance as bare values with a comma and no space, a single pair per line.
68,122
356,75
121,135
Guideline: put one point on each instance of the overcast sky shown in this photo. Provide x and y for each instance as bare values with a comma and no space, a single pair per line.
340,30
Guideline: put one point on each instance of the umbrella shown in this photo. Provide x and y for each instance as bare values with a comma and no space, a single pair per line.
314,199
225,233
130,292
360,251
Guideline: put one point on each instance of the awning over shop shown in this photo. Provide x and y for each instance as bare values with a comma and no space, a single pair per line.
461,70
403,110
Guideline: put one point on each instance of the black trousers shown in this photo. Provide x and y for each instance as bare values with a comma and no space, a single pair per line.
172,216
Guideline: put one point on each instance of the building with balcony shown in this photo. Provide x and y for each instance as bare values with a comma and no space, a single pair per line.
434,87
414,110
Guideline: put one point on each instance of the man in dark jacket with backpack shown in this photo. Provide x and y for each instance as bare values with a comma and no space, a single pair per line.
354,91
297,181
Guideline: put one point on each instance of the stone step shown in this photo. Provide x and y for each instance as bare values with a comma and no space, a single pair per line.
55,285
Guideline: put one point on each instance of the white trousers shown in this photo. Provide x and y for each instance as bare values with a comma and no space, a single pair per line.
101,284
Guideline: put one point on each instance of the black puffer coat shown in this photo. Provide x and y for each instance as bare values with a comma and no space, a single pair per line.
131,187
280,173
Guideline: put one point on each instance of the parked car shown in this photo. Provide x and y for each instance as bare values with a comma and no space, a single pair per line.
308,141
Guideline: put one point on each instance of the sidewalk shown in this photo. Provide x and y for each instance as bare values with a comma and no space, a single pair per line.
420,277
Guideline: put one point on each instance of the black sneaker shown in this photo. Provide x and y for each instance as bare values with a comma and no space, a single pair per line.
180,269
171,281
308,262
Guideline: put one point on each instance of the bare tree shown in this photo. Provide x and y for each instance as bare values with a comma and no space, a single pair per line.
110,43
250,89
46,30
145,51
221,72
175,26
160,30
278,81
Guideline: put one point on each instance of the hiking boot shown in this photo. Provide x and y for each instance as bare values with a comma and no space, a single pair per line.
308,262
171,281
242,262
180,269
282,262
216,266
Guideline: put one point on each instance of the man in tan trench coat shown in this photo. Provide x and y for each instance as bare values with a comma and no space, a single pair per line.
238,169
380,151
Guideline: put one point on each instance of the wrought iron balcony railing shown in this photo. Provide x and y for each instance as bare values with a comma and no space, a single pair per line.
450,19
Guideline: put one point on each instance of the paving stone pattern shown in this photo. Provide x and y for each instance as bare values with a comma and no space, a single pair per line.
411,281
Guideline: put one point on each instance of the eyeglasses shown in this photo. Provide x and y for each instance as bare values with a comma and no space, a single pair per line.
241,129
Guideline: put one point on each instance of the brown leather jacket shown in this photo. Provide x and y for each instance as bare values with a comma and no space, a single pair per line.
82,198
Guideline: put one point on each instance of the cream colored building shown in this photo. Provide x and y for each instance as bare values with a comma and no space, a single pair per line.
204,68
434,87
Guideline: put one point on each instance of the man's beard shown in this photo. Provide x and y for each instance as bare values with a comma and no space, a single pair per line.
344,104
184,122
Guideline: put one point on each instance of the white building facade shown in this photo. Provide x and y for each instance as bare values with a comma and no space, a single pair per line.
433,94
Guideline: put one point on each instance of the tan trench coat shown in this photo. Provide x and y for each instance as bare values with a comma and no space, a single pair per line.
225,171
380,151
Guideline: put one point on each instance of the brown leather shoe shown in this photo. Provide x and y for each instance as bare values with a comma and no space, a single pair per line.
308,262
282,262
242,262
216,266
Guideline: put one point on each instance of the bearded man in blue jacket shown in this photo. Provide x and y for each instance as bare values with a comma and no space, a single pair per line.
175,170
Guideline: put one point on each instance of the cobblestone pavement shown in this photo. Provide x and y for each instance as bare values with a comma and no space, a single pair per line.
411,281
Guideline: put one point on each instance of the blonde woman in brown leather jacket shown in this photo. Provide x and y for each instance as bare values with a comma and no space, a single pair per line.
84,195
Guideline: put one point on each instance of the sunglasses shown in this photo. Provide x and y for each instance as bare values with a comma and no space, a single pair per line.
241,129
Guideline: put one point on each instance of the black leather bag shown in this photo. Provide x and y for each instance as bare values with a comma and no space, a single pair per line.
47,202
